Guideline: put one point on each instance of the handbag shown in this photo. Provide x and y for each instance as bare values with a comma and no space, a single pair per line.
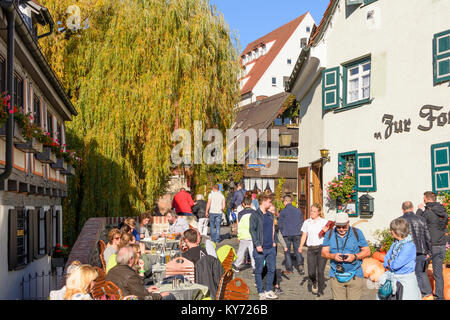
385,291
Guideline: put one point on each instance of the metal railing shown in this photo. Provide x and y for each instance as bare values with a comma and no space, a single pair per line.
39,285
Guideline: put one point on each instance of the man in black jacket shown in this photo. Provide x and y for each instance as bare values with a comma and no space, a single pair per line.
290,223
123,276
436,217
264,238
422,239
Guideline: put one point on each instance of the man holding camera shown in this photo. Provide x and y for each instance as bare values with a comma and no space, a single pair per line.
346,247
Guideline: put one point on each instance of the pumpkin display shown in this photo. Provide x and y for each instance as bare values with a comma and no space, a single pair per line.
372,269
379,256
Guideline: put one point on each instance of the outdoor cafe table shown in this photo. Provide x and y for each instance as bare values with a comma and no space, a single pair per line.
186,290
172,244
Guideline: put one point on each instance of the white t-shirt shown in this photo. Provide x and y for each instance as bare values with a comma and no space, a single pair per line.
217,200
313,228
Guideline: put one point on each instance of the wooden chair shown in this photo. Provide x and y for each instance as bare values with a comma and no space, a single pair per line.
236,289
181,266
101,249
224,280
228,262
98,291
112,291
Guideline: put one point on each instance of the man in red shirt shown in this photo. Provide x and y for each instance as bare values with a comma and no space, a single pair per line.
182,203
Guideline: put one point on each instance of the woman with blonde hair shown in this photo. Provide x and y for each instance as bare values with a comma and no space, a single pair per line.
311,230
80,283
59,294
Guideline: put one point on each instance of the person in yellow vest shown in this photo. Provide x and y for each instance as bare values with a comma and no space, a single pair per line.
244,236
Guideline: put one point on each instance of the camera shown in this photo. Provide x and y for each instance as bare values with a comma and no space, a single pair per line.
344,256
340,268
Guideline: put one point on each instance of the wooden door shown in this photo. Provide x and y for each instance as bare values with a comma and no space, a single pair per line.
317,190
303,191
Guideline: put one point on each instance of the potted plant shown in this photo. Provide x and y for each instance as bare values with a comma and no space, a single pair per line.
60,255
341,188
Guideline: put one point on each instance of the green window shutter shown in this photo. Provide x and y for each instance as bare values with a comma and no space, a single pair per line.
366,2
441,57
330,88
440,167
35,230
366,177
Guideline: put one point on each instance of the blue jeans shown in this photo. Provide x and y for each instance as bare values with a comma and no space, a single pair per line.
437,261
268,255
422,277
214,223
295,241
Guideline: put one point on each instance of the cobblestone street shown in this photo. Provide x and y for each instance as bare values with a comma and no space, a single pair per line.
295,286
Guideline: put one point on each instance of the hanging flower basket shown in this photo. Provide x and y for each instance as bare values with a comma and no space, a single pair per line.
31,146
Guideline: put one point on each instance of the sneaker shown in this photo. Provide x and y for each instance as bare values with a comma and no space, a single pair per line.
428,297
271,295
287,272
301,270
278,291
319,294
314,288
262,296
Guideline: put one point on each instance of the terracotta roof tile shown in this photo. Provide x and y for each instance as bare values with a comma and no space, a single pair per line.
280,36
324,22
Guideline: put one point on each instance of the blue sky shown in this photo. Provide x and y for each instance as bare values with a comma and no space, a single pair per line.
252,19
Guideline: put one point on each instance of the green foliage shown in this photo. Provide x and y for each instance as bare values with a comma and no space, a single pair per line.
278,201
141,70
342,188
385,239
444,197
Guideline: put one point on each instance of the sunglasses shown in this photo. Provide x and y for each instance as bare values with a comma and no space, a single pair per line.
341,227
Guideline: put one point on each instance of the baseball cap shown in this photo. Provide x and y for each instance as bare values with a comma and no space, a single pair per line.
341,218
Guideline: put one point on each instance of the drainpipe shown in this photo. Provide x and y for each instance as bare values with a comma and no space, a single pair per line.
10,17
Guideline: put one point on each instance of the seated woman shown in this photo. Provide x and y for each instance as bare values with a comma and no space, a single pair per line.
144,220
142,263
59,294
401,261
125,240
80,283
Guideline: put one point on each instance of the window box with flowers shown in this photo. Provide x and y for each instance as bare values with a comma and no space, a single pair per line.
60,255
342,189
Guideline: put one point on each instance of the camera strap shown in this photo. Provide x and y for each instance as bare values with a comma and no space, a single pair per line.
337,243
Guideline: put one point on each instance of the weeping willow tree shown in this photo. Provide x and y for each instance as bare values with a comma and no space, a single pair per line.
136,70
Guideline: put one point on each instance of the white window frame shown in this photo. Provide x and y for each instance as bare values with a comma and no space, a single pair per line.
359,76
274,84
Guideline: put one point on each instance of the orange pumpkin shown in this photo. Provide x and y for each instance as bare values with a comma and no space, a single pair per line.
372,269
431,278
379,256
447,292
446,274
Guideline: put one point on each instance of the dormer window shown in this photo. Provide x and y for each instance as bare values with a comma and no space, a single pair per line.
303,42
264,49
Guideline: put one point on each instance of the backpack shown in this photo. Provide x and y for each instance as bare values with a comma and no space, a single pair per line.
355,232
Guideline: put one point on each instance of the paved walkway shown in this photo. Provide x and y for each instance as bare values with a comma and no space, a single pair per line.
295,286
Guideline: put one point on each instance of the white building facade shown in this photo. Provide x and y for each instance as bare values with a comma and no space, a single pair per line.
374,89
269,61
30,197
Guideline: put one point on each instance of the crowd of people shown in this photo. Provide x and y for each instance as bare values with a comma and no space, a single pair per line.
419,237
